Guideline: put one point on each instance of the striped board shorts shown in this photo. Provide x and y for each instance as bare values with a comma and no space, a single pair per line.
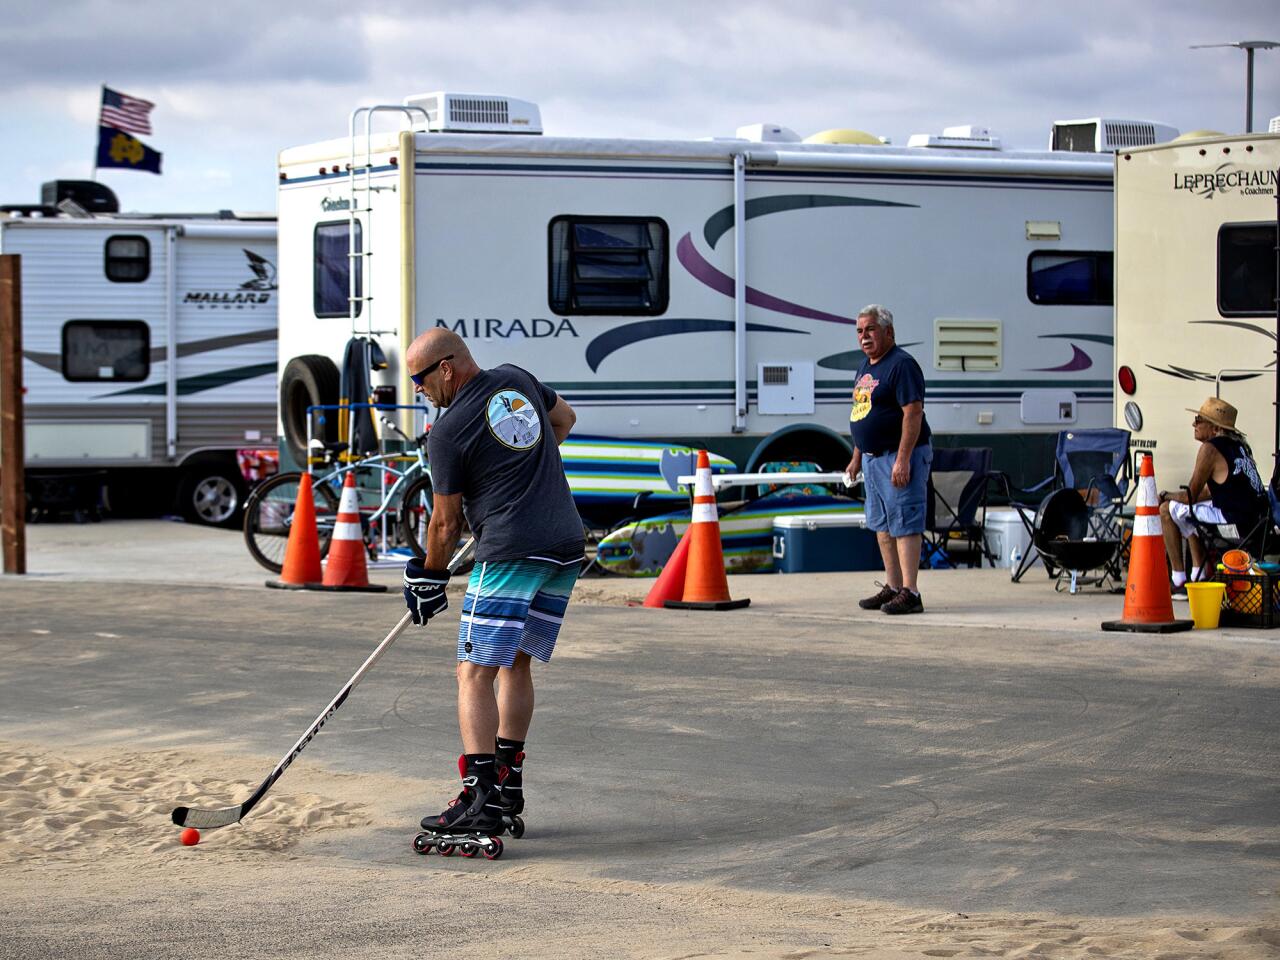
514,606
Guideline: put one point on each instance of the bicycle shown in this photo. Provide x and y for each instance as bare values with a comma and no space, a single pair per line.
269,509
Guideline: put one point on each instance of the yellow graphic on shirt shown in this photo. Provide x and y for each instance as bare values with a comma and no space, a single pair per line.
862,391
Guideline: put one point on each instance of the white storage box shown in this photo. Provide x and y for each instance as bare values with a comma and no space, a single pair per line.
1007,538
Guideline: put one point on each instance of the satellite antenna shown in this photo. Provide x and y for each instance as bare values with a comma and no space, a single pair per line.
1248,46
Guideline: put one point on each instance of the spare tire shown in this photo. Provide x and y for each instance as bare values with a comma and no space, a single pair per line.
308,381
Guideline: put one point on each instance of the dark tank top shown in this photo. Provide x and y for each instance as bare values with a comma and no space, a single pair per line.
1241,497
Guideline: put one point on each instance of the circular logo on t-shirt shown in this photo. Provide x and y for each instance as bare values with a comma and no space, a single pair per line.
513,420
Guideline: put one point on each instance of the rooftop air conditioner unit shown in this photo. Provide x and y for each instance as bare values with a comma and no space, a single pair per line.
1274,126
1100,135
768,133
967,137
475,113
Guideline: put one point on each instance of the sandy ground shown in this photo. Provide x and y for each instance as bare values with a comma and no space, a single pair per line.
1118,796
91,829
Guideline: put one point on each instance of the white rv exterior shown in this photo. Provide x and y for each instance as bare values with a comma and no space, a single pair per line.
148,343
725,336
1195,288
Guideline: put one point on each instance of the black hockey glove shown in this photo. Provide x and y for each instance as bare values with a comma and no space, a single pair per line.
424,591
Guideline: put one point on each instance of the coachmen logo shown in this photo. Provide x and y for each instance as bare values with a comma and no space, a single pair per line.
329,204
251,294
1250,183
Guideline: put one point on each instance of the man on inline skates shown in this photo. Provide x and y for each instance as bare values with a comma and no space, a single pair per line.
492,464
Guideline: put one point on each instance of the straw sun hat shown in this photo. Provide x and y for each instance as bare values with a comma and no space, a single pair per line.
1218,412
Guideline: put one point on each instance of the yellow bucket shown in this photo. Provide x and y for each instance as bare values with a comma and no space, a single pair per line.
1206,603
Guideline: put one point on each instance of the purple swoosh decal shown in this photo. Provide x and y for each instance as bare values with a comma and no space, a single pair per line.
1079,361
723,283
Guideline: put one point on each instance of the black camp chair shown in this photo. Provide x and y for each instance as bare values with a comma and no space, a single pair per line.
1073,542
1095,464
956,510
1218,538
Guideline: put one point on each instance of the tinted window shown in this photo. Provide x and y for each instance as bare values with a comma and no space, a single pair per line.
1247,270
332,269
127,259
1080,278
106,350
604,265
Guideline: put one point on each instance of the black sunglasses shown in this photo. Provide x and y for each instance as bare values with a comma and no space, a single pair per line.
423,374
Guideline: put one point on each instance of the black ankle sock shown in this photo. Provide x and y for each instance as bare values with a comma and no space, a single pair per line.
483,766
508,750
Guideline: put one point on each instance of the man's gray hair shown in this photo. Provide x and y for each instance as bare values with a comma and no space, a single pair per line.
881,315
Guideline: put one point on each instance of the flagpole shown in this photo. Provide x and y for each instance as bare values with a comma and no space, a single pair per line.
102,94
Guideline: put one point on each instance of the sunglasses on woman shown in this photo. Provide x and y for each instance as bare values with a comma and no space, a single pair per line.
423,374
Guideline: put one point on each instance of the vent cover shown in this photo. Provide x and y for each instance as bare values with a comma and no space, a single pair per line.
475,113
966,345
772,375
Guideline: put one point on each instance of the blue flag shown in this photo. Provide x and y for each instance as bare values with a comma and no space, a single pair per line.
118,149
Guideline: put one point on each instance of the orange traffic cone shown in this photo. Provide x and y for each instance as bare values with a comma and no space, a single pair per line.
1148,604
705,585
345,568
302,550
670,583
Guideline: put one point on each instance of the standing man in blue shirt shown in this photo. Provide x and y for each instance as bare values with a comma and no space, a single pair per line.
891,447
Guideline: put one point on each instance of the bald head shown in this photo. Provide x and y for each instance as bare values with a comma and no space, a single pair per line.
445,360
431,346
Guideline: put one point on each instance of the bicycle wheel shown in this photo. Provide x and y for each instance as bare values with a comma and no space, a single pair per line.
268,517
415,513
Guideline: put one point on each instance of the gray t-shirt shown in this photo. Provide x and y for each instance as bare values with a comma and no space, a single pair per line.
494,445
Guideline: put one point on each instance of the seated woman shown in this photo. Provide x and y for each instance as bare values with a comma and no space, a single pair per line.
1224,488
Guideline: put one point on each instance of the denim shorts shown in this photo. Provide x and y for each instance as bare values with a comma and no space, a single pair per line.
898,511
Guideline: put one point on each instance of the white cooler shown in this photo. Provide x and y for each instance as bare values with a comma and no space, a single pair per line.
1007,538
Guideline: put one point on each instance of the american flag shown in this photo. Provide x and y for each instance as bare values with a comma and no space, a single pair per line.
130,114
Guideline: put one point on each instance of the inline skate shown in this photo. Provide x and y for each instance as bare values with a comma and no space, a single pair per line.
511,794
472,824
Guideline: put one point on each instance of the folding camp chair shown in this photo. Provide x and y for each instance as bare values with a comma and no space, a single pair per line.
791,489
1096,464
956,509
1218,538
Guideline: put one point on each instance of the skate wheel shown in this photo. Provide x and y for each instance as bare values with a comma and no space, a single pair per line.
444,848
469,850
516,828
422,843
493,849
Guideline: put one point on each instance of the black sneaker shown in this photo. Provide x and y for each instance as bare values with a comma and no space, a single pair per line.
904,601
886,594
1179,592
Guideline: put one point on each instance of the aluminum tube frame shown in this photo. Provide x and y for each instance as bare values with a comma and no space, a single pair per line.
739,293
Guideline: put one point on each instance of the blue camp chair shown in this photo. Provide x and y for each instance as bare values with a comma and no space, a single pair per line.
956,509
1096,464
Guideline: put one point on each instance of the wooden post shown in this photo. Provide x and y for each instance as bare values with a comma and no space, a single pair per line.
13,505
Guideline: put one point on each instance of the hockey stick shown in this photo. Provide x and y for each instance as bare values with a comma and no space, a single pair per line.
225,816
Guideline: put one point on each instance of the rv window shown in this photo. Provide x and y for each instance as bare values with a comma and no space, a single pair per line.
1078,278
1247,270
127,259
332,268
96,350
604,265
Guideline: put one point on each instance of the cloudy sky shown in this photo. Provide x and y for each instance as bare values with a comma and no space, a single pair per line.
237,80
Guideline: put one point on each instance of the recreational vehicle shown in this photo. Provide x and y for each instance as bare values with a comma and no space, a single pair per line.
149,351
1195,292
616,271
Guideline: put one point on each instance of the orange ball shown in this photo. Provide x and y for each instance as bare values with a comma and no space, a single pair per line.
190,837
